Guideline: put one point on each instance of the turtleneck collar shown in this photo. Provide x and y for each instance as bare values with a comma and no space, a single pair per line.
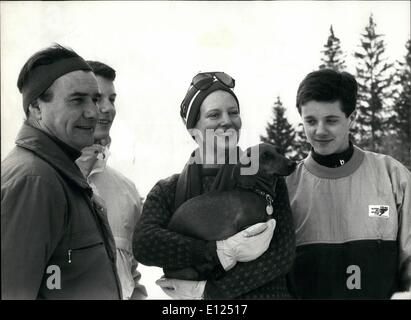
334,160
335,173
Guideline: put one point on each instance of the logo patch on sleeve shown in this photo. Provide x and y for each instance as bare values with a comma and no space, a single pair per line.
378,210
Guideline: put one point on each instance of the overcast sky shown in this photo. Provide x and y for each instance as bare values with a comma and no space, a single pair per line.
157,47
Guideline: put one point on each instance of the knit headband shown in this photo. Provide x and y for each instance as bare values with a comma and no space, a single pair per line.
190,107
42,77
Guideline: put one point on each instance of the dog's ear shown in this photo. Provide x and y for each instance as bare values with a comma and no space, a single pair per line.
269,148
268,153
264,156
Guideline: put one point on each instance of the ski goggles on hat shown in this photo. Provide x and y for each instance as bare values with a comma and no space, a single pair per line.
199,86
204,80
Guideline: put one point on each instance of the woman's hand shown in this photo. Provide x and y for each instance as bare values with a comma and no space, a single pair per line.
246,245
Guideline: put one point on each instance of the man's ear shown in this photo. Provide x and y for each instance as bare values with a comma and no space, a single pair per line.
34,110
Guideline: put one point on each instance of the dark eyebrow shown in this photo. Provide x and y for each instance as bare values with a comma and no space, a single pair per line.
78,94
213,110
84,94
327,117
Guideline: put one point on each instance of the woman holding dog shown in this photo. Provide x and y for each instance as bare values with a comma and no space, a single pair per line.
251,264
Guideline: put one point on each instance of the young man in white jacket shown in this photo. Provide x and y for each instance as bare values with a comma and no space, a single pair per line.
119,194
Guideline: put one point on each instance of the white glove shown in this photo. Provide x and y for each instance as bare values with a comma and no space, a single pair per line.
182,289
246,245
404,295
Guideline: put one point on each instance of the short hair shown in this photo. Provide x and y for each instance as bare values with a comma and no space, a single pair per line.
46,56
327,85
102,70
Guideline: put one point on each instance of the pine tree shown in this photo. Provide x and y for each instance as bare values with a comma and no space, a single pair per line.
279,131
301,146
401,121
374,92
333,57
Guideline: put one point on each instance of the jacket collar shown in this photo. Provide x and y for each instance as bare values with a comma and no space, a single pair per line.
100,162
45,147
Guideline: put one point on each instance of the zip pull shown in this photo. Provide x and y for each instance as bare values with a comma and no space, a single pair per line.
269,208
69,256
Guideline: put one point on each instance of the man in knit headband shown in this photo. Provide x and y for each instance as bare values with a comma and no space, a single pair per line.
49,212
34,83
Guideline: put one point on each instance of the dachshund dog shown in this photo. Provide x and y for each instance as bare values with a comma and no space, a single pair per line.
217,215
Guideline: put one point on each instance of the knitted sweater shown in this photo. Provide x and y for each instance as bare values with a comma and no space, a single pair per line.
263,278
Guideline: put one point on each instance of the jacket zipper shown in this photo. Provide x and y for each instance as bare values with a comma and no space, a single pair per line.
69,251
